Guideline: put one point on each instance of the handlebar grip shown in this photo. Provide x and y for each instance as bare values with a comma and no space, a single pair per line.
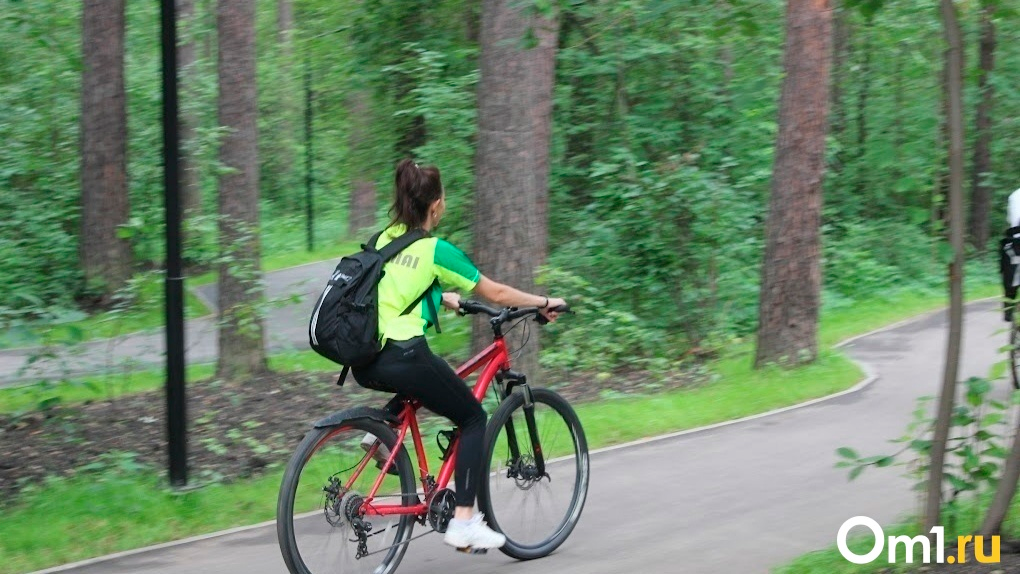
540,318
468,306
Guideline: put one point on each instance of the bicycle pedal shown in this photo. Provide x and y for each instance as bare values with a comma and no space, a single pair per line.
470,550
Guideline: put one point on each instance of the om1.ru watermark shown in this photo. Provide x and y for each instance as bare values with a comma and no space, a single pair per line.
908,544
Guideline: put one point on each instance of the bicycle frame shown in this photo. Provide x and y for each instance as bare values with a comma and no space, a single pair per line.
494,358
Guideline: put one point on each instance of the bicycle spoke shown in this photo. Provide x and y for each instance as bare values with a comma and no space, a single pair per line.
537,512
324,527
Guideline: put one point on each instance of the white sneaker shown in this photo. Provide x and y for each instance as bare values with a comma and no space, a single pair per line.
473,534
381,454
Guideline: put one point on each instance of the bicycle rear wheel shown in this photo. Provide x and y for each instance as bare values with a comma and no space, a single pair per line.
536,513
318,523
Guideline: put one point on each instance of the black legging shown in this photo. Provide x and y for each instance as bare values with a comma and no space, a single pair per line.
409,368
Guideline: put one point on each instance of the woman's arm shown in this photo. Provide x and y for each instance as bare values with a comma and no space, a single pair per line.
507,296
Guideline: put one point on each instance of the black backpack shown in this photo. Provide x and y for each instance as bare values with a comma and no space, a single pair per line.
1009,257
344,326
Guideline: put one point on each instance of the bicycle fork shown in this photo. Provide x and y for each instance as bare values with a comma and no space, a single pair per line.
518,466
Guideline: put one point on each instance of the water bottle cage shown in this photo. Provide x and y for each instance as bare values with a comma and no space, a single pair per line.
449,435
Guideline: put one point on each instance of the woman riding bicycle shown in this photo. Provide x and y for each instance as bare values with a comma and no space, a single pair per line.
406,365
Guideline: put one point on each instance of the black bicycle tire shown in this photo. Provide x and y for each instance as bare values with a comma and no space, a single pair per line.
492,432
288,489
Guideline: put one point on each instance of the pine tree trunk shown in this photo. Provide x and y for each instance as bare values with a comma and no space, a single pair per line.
791,274
512,162
241,338
957,223
837,103
863,170
191,195
285,23
363,193
105,257
580,144
981,194
412,131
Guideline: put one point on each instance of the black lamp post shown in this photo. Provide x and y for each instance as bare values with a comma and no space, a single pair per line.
175,397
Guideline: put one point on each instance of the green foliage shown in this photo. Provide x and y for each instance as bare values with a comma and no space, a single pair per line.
865,259
668,244
444,98
663,130
600,337
975,451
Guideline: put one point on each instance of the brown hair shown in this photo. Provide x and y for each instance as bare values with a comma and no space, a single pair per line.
416,188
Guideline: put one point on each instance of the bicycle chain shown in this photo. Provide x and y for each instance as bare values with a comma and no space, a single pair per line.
408,541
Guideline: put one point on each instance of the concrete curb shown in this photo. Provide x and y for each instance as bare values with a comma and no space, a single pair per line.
869,378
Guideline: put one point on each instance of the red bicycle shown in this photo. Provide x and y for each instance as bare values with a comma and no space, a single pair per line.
337,513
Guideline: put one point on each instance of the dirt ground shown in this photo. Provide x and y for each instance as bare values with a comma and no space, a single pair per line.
234,431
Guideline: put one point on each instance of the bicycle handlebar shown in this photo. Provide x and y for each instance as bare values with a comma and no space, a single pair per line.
500,316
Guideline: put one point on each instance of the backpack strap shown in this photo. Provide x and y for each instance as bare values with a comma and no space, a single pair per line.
429,302
397,245
372,241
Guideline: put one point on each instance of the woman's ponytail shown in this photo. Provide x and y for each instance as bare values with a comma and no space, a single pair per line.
416,188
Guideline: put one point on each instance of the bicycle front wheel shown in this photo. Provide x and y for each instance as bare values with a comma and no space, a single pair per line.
319,522
535,508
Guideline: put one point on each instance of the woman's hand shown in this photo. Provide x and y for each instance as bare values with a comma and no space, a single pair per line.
451,300
548,312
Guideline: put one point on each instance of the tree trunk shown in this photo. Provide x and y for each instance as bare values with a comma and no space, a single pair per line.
981,194
954,61
191,194
863,171
241,350
105,257
512,163
791,274
898,98
361,218
285,23
283,184
413,132
579,144
840,56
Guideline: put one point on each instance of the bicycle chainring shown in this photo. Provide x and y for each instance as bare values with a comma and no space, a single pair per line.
441,509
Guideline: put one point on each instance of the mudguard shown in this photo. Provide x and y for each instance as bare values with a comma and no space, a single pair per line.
357,413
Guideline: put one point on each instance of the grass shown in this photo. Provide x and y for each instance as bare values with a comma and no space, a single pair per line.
112,510
453,341
863,316
967,521
147,312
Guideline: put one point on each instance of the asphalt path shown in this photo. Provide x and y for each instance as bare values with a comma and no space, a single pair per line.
291,294
742,497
